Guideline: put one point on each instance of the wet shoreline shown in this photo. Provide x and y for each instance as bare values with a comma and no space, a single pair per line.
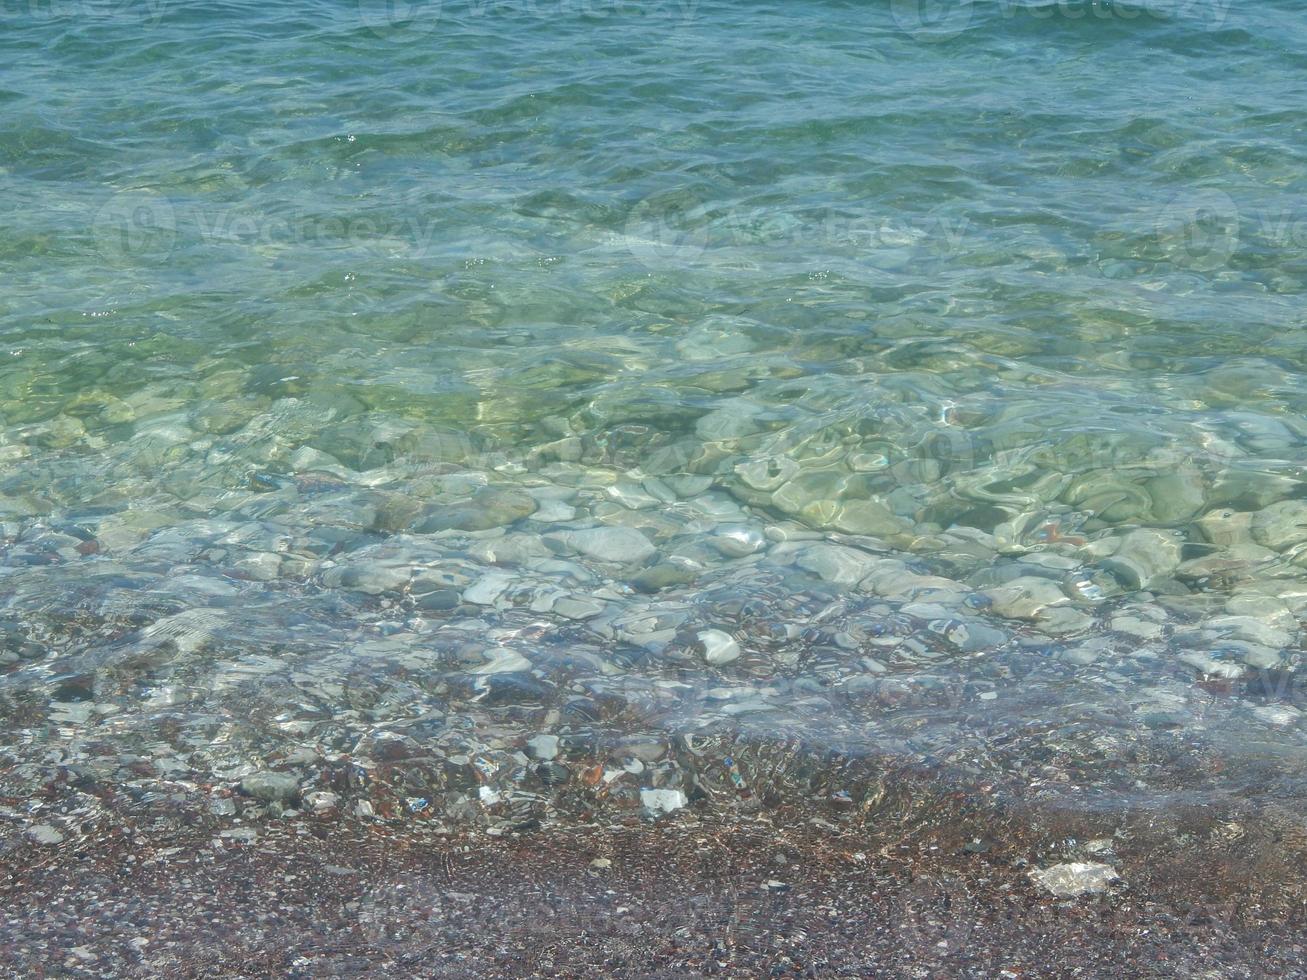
933,879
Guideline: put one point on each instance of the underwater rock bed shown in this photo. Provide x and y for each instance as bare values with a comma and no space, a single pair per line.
503,654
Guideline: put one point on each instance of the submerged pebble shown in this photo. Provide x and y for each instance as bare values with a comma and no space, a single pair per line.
718,647
1076,878
271,786
609,544
658,801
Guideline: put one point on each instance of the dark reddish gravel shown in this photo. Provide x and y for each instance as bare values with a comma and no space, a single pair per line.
782,892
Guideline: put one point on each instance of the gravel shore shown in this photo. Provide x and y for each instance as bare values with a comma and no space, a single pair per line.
784,891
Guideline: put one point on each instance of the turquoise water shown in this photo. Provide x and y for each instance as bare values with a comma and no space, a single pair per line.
924,379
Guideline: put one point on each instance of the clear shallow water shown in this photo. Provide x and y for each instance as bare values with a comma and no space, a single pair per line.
936,372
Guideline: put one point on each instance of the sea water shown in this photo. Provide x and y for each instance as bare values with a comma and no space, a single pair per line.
476,398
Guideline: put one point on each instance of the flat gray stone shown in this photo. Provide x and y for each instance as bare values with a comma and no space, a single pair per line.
543,747
574,607
612,544
1075,878
43,833
835,563
1282,525
272,787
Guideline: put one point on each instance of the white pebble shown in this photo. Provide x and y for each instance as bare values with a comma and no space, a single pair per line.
719,647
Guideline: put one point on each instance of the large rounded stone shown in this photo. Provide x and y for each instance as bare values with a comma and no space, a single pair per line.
623,545
489,507
1143,557
1281,526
